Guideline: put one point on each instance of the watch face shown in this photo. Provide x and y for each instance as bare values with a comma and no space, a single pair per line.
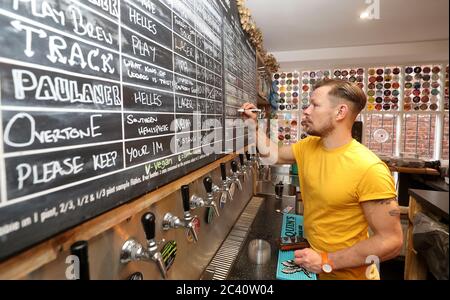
327,268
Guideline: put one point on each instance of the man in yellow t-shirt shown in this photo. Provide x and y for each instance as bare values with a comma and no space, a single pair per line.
345,188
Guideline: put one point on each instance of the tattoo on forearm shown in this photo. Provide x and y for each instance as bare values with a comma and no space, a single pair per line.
395,213
387,202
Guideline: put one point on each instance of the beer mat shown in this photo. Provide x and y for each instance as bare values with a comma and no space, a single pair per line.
286,269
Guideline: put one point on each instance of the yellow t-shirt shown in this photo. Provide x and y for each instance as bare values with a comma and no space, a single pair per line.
333,184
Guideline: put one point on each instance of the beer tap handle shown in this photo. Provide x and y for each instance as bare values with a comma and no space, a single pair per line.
223,171
241,159
185,196
148,222
207,182
234,166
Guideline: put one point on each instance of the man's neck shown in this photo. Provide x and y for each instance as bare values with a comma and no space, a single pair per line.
337,139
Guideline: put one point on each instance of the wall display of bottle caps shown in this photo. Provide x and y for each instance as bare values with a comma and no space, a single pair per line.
309,79
446,103
422,88
288,85
389,89
353,75
384,89
285,128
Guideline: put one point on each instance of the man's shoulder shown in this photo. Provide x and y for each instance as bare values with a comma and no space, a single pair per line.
361,150
305,145
363,156
310,141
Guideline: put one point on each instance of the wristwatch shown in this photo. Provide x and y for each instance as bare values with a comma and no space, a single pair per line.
327,265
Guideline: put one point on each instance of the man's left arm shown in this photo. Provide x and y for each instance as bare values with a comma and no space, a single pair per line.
386,243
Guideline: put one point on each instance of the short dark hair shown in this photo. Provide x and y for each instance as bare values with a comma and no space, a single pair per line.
345,90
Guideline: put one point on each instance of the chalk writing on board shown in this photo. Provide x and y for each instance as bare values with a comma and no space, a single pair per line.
104,101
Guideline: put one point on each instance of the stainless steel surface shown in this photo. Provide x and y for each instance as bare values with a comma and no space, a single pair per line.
235,182
228,252
173,222
158,259
267,188
134,251
197,202
256,163
264,172
212,204
291,188
243,267
224,192
131,250
243,172
259,251
192,259
281,169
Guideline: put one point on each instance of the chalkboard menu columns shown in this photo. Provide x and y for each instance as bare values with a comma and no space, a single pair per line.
2,166
210,69
98,103
61,106
121,80
240,76
148,83
60,96
198,72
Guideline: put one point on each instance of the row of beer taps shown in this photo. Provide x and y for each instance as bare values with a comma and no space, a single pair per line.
132,250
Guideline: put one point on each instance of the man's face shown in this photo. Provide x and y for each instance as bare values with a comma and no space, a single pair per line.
319,118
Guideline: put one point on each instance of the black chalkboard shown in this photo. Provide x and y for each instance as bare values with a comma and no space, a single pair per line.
239,76
104,101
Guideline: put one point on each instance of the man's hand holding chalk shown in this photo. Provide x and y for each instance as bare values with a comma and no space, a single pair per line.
250,111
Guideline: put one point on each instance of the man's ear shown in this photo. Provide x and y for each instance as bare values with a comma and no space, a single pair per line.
342,111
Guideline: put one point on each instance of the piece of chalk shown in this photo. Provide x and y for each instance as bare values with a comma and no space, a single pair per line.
250,110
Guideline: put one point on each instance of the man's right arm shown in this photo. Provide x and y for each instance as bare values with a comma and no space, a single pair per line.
285,154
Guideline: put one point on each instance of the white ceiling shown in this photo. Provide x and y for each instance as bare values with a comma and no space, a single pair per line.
290,25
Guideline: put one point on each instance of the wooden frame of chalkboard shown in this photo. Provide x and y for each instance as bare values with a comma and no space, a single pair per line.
103,103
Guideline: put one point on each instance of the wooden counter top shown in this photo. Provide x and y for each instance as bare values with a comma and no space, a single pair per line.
423,171
435,202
